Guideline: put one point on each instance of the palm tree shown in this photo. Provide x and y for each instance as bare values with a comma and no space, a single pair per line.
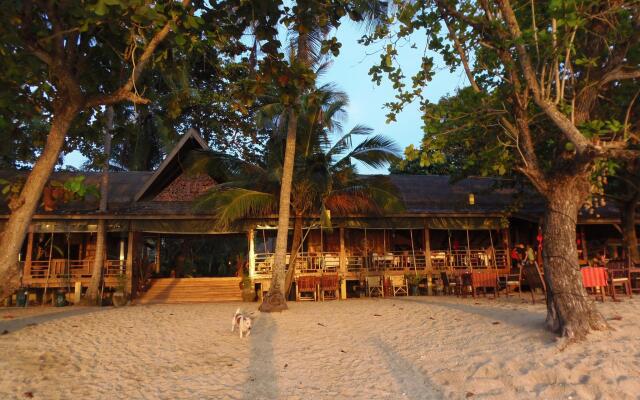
312,25
326,177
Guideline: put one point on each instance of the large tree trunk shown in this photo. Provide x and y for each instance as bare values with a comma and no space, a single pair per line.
275,300
295,245
630,237
570,311
16,228
93,290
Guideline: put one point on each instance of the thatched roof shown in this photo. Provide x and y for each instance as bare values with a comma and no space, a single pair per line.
132,194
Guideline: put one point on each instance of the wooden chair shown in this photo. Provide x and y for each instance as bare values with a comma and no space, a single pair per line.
484,281
464,284
448,285
619,275
515,281
329,287
532,277
374,285
399,285
595,278
307,284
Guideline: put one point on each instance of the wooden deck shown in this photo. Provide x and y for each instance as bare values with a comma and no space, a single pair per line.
60,273
191,290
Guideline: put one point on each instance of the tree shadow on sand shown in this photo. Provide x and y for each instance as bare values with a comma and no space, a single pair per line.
413,383
519,318
16,324
263,380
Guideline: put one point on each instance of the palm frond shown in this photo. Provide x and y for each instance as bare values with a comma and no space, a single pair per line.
375,152
346,141
234,204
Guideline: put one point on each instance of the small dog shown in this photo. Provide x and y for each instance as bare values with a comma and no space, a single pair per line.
243,323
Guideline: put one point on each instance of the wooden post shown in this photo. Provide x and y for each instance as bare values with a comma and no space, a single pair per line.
252,253
505,239
427,259
27,259
583,241
158,260
427,248
77,293
129,271
343,266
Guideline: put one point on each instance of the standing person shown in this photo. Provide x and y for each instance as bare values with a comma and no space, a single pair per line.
515,258
530,257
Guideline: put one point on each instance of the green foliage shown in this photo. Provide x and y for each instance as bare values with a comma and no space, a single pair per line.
11,188
76,188
561,118
460,139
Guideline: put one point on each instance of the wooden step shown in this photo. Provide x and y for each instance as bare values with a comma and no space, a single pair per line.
191,290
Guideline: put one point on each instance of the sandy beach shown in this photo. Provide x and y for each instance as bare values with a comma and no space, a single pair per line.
413,348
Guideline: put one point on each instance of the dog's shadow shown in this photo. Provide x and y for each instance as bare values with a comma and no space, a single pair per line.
263,379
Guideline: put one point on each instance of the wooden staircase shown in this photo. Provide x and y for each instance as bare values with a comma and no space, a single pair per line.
191,290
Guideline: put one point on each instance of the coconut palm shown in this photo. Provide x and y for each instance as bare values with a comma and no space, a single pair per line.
326,178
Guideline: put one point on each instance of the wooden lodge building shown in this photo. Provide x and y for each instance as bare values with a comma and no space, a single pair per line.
161,250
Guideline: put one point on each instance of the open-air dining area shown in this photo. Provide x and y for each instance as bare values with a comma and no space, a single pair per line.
356,263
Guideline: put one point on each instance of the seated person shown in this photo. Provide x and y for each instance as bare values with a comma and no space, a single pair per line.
600,260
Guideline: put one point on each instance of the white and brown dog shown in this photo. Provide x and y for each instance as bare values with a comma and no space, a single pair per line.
243,322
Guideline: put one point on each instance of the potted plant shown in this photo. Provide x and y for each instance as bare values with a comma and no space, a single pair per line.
119,297
414,280
60,299
248,291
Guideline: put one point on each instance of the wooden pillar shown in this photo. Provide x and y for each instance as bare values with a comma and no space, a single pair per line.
129,270
252,253
505,238
158,255
583,242
427,259
27,258
343,266
77,293
427,248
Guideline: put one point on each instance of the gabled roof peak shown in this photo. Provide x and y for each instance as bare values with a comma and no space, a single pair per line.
171,167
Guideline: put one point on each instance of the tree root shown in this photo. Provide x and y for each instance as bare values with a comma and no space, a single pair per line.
273,302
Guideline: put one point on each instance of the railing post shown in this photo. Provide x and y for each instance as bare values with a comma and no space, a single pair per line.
343,266
252,254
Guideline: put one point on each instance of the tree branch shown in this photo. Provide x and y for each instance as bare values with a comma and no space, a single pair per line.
562,122
127,91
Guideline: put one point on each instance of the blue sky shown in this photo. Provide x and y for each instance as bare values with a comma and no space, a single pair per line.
350,73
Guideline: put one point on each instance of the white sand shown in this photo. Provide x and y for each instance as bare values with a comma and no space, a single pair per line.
417,348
